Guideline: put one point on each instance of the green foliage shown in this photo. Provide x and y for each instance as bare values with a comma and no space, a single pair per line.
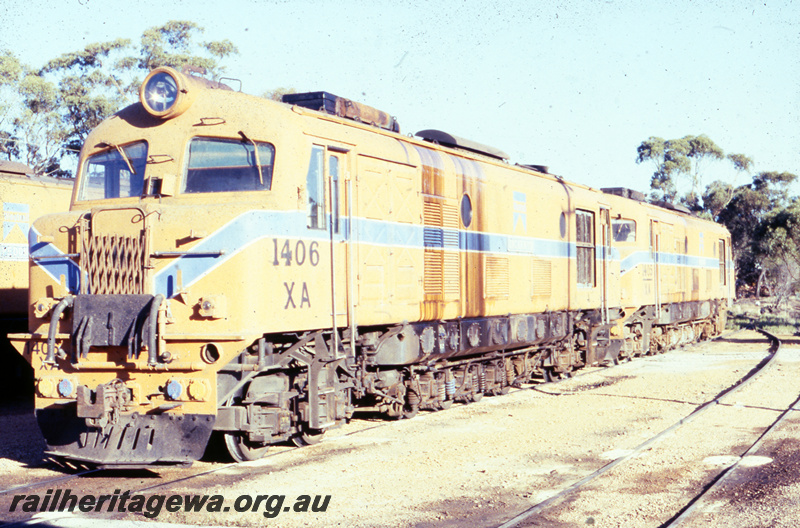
764,222
756,216
9,146
716,196
278,93
48,112
740,162
173,45
10,68
778,243
673,158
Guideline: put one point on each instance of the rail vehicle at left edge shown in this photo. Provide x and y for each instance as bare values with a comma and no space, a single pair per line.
23,198
264,269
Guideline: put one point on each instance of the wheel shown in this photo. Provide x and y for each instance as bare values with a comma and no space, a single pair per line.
243,450
476,396
549,374
445,404
411,407
410,411
308,437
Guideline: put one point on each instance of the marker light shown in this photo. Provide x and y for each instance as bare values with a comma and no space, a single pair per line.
174,389
65,388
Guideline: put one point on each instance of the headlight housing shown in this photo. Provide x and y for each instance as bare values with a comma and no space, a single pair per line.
165,93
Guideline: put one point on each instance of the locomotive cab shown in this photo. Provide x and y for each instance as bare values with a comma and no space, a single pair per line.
144,292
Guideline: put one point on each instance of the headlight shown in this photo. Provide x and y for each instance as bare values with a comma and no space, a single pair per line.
161,92
164,93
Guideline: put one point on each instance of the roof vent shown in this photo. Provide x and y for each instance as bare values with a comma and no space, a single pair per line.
449,140
341,107
544,169
674,207
625,193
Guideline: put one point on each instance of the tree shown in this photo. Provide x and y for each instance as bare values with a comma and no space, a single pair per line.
718,194
91,86
778,241
747,215
51,111
686,157
278,93
31,129
172,45
701,150
655,150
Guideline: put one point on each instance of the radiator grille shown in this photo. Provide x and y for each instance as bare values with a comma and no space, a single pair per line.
114,264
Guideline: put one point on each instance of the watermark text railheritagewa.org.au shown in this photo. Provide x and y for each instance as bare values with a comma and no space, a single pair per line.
151,506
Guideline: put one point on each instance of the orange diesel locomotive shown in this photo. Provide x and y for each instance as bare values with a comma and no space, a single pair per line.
263,269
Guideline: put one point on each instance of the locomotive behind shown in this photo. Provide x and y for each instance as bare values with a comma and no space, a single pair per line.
264,269
23,198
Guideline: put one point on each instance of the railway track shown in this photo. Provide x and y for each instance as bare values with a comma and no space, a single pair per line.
98,478
170,478
693,502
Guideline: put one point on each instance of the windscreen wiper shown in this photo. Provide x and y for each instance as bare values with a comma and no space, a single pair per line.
121,153
258,161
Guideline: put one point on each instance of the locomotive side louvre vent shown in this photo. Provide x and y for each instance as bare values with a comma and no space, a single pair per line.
541,277
440,235
496,273
451,258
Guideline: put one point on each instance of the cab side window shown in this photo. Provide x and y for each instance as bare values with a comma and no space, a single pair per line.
228,165
315,188
623,230
585,247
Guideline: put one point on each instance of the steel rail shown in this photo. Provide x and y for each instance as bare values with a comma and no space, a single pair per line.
687,510
47,482
762,367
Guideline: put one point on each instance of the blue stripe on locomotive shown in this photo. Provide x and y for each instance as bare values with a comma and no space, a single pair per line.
255,225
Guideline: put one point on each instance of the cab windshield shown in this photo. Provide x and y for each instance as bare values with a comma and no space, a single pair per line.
112,174
225,165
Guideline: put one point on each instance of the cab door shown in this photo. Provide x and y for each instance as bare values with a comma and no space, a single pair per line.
609,276
655,276
325,223
336,176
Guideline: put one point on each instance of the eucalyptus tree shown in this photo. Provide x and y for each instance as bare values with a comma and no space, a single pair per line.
31,127
777,243
673,158
748,214
50,111
719,193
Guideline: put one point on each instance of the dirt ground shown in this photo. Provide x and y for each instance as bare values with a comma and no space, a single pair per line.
484,463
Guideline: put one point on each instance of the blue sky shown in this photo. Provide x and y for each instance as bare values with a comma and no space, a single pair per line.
575,85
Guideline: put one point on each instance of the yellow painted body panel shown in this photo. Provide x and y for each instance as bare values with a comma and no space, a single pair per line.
23,201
